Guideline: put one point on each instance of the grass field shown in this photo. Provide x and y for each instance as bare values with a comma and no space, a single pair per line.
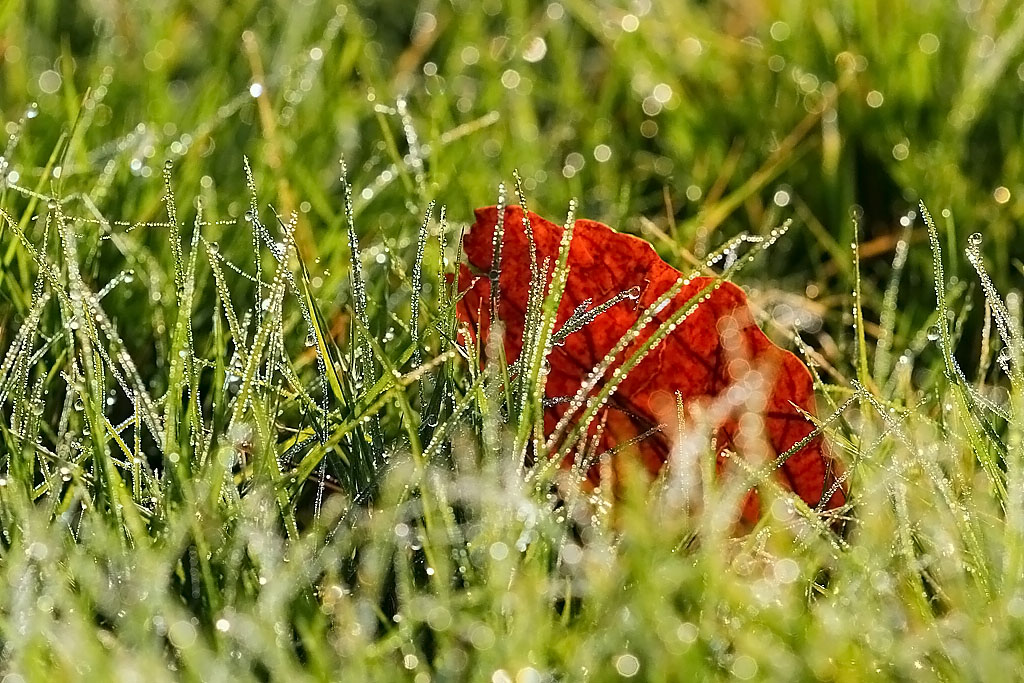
237,441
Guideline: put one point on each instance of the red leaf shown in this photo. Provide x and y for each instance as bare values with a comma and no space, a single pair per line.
700,358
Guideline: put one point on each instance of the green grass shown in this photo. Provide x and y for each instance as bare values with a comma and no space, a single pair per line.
237,441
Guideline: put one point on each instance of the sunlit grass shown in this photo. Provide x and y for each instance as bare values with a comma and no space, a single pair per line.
241,437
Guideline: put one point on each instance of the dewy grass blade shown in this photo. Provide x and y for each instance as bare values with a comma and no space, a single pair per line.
175,236
182,351
252,217
363,368
415,303
529,391
883,348
974,431
417,284
497,243
283,253
1012,341
324,344
859,336
246,394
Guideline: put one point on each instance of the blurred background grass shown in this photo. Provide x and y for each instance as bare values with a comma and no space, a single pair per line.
684,122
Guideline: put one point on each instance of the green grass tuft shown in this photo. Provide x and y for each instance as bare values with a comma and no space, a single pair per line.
242,438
